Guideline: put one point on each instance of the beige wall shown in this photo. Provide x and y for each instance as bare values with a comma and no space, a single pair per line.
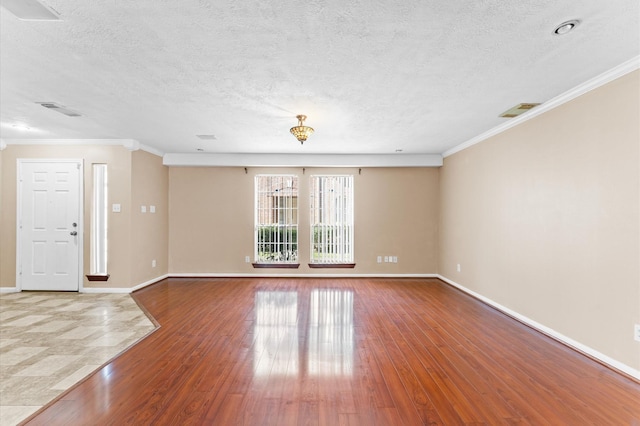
124,266
149,231
211,220
544,219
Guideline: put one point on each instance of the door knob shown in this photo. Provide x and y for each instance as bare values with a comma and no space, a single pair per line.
74,224
73,233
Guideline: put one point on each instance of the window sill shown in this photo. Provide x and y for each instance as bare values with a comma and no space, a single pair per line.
332,265
276,265
98,277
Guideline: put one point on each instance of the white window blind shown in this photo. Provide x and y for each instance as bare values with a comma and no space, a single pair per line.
276,219
331,219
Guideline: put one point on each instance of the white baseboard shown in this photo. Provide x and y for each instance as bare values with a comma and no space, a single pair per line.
95,290
617,365
126,290
258,275
123,290
147,283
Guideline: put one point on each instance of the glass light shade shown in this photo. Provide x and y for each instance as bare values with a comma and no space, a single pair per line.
301,132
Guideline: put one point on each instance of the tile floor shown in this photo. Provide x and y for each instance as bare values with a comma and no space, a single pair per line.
49,341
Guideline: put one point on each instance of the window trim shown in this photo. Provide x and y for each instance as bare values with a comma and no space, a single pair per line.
341,264
275,264
99,222
332,265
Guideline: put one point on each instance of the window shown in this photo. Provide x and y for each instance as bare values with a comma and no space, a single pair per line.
99,221
331,219
276,220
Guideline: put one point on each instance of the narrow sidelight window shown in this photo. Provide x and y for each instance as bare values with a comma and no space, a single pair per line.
99,221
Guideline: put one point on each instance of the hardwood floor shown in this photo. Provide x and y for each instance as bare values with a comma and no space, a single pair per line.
340,351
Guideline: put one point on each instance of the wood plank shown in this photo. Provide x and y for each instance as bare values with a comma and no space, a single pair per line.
421,352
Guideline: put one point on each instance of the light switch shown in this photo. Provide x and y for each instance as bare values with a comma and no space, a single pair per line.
115,208
152,209
143,209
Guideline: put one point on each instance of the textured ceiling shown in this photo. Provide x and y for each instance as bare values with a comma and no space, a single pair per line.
373,76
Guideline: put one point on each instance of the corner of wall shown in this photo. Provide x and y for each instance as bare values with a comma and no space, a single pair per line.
149,217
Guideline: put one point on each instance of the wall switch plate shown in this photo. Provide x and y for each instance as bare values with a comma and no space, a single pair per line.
636,332
247,259
115,208
143,209
152,209
379,259
153,263
386,259
395,259
458,268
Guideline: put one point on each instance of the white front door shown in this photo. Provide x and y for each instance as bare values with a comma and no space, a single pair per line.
49,226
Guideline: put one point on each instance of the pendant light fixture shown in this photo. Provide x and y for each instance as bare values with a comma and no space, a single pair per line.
301,132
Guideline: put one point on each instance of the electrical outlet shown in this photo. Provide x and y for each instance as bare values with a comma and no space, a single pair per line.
636,332
386,259
153,263
152,209
143,209
379,259
395,259
247,259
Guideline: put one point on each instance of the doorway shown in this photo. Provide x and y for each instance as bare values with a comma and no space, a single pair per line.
50,231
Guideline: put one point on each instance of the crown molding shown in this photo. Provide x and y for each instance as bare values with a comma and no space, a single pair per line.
596,82
134,145
130,144
151,150
66,141
299,160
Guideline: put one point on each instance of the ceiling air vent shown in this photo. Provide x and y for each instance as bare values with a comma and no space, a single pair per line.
517,110
60,108
207,137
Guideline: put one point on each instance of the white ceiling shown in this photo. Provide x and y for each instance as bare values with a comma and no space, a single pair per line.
373,76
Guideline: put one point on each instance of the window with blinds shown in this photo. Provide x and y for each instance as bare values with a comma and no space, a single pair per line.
276,219
331,219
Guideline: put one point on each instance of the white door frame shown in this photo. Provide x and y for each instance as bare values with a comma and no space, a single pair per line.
80,163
